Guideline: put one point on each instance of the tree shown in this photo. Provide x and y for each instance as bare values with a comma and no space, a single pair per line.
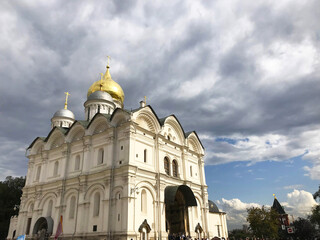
239,234
263,222
316,195
315,215
304,229
10,193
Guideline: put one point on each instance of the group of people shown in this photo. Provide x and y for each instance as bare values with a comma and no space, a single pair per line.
183,236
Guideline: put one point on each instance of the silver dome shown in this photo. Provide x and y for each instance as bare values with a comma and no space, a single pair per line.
100,95
64,113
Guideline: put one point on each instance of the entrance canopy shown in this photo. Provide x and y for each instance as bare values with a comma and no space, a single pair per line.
46,222
171,191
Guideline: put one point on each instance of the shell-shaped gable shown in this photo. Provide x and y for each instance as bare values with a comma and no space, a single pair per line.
55,138
99,123
119,116
36,146
147,119
194,143
76,132
173,130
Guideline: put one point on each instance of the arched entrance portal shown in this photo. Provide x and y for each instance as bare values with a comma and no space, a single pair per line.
43,228
177,200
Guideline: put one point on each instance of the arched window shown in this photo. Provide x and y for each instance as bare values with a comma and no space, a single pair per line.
72,207
145,155
56,168
77,163
144,201
96,204
174,168
49,210
100,156
31,208
166,166
38,173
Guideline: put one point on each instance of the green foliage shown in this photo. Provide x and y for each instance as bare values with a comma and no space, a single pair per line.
10,193
239,234
263,222
304,229
316,195
315,215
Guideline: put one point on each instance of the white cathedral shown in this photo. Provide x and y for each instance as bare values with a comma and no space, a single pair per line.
118,174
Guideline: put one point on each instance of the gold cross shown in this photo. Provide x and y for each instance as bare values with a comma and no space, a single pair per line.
66,102
108,60
145,100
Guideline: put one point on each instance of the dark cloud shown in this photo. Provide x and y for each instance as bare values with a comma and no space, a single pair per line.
204,63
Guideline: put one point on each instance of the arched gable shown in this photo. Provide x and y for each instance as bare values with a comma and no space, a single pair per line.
116,190
70,192
146,118
119,116
147,186
37,146
98,124
75,133
199,199
47,197
29,202
194,143
173,129
92,189
55,138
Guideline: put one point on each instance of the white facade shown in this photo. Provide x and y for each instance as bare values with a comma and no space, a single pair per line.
108,176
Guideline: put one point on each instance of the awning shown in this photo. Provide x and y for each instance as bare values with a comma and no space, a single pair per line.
171,191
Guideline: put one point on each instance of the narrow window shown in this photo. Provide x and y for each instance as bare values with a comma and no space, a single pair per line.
49,210
77,163
145,155
166,166
100,156
72,207
28,226
88,113
144,201
218,228
38,173
56,168
96,205
191,171
118,217
174,168
94,228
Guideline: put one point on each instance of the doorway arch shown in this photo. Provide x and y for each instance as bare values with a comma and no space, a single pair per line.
43,226
144,230
177,200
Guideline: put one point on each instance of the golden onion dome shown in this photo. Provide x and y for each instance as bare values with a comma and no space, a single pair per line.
106,84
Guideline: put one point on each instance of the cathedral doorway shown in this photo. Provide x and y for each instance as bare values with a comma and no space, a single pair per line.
177,201
144,230
43,228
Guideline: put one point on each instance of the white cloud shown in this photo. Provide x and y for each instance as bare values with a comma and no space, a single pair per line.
236,211
298,204
296,186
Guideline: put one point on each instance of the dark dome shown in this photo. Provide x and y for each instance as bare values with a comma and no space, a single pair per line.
213,207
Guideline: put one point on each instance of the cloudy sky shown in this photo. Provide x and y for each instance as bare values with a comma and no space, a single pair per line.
243,74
